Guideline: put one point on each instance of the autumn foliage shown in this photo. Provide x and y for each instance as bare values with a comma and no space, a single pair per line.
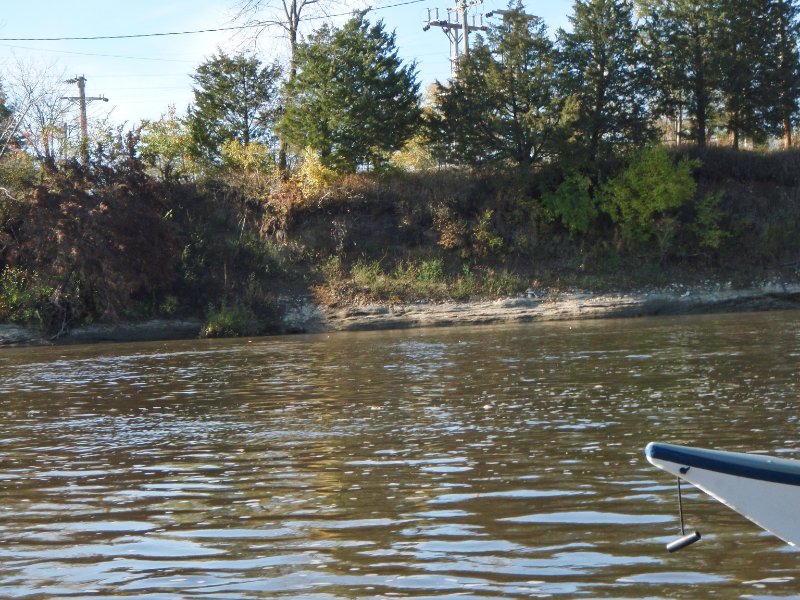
93,244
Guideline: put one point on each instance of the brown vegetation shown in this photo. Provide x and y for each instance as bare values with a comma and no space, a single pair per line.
111,244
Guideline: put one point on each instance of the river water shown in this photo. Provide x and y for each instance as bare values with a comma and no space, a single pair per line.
491,462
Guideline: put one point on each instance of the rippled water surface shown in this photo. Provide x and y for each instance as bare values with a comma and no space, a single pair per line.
494,462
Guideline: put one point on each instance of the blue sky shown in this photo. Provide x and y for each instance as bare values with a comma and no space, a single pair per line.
142,77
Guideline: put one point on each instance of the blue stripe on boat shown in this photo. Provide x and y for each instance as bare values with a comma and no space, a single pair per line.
751,466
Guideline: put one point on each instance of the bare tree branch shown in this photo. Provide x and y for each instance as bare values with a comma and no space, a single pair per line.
38,90
8,195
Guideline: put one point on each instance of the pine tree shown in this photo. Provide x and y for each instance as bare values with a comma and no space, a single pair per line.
353,101
5,111
744,73
235,98
604,72
680,39
504,106
783,68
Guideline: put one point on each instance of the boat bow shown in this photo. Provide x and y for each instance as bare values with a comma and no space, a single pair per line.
764,489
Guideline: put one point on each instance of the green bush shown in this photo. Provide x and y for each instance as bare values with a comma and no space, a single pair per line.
230,321
485,240
708,216
572,203
466,285
23,299
431,271
331,268
504,283
367,273
642,198
17,174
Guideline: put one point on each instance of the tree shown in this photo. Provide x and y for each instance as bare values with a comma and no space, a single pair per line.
643,198
353,101
504,106
744,73
37,94
287,15
603,71
7,129
681,42
166,144
235,98
783,67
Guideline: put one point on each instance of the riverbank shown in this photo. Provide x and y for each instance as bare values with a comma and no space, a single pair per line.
303,315
544,306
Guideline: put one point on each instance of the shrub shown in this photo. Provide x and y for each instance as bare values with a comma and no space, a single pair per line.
367,273
249,169
708,216
431,271
485,240
504,283
466,285
313,177
640,197
169,306
230,321
572,203
332,268
23,299
17,174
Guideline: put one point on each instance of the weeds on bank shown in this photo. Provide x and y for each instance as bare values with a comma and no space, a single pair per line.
414,280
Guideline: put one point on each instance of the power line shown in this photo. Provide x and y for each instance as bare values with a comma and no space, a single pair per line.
51,51
189,32
129,36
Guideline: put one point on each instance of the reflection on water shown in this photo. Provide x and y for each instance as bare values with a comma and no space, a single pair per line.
496,462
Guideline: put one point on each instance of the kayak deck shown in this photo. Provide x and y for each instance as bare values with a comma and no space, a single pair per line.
739,464
764,489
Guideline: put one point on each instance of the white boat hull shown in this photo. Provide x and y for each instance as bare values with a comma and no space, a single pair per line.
764,489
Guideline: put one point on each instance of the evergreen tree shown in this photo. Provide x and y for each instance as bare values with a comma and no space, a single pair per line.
604,72
744,59
6,127
680,39
353,101
287,15
504,106
5,111
783,68
235,98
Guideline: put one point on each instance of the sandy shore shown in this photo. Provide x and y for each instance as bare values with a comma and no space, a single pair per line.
302,315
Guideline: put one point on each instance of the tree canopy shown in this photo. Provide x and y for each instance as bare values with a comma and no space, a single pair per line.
604,71
504,106
235,98
353,101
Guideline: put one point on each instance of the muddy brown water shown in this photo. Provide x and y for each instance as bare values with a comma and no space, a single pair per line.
489,462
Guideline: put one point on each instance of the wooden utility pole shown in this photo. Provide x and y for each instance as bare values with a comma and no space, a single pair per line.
82,99
457,29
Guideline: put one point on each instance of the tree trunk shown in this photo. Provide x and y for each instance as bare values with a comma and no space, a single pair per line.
787,132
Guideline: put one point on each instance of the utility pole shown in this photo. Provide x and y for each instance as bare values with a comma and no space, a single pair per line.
82,100
457,28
